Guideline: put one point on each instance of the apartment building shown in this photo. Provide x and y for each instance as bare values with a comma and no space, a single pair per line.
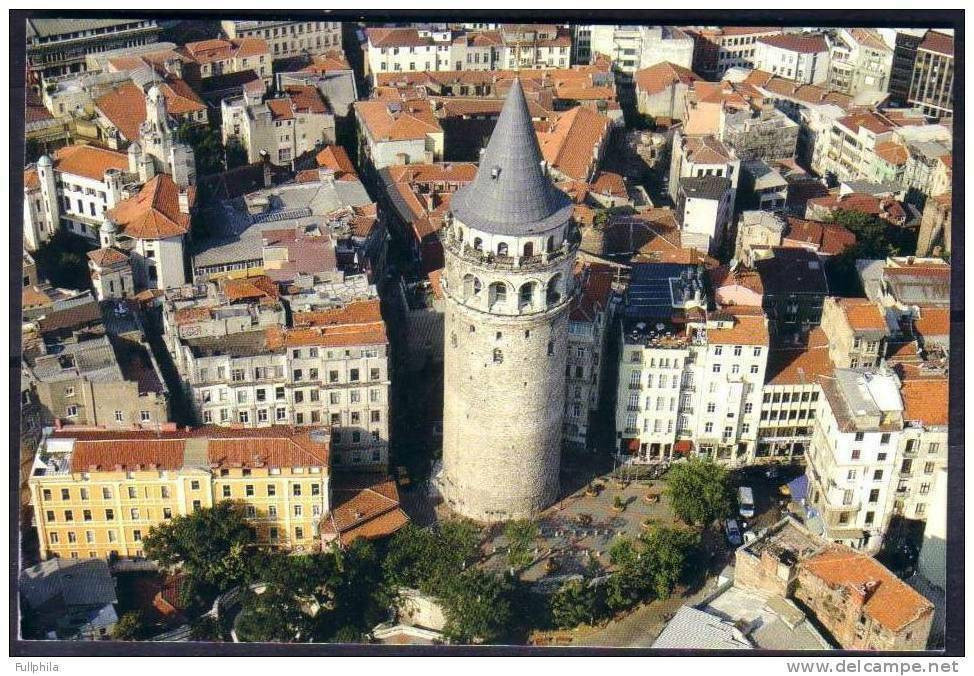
59,46
701,155
661,90
288,39
715,50
122,112
704,209
330,369
857,332
690,385
509,46
284,127
398,132
904,42
932,84
922,457
852,462
588,332
633,48
794,286
218,57
802,57
764,134
859,61
935,230
98,493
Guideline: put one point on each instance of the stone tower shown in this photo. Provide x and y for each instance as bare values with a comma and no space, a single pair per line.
160,146
510,245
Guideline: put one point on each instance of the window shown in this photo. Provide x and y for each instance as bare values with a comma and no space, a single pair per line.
134,513
226,491
249,490
315,489
298,510
737,350
884,439
106,493
194,485
928,468
166,513
708,428
109,515
145,416
860,436
296,490
119,416
874,495
272,511
353,375
718,350
856,453
878,475
71,411
137,535
298,533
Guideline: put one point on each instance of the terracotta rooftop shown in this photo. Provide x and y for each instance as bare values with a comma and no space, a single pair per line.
31,179
336,159
940,43
862,314
892,153
609,183
867,119
364,506
358,323
800,364
827,238
259,286
723,276
926,400
656,78
89,161
125,106
107,256
33,297
933,321
154,212
893,603
208,51
596,288
357,312
884,207
706,149
794,42
397,37
570,145
747,329
328,62
398,121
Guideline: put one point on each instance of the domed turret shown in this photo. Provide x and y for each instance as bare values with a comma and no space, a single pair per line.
108,231
45,161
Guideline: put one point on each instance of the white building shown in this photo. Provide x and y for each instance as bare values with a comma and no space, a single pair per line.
696,155
696,385
802,57
633,48
435,48
859,61
288,39
285,127
852,462
718,49
397,132
704,208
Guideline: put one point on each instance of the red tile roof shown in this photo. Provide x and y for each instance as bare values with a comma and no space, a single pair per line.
570,145
596,289
89,161
827,238
107,256
399,121
800,364
208,51
862,314
663,75
892,603
940,43
154,212
794,42
31,179
747,329
363,506
358,323
125,106
336,159
926,400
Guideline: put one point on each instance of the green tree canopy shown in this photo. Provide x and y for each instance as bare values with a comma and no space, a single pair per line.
698,491
130,627
272,616
521,536
429,559
477,607
576,602
648,567
211,544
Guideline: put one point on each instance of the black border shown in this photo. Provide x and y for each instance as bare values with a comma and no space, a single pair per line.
955,615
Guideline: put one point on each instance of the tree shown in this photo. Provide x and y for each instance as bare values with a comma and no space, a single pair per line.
430,559
63,260
130,627
698,491
477,608
271,617
664,557
236,154
210,545
207,146
575,603
520,536
205,628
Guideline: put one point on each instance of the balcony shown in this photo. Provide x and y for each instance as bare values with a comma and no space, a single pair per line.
630,431
633,408
635,386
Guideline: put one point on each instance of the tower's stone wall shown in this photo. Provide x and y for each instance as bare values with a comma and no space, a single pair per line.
504,393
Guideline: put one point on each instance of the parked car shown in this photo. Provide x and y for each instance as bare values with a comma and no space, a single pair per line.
745,501
733,533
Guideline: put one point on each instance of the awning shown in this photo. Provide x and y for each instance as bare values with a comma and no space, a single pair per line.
683,447
632,445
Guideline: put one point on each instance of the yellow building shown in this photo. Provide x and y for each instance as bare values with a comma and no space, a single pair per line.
97,493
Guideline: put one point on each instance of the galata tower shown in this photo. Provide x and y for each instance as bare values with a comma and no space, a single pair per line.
510,245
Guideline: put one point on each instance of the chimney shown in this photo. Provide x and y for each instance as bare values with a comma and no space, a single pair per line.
183,201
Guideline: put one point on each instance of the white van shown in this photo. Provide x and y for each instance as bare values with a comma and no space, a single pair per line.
745,501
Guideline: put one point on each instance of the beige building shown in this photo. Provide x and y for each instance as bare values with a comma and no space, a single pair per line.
857,331
288,39
398,132
284,128
223,57
97,494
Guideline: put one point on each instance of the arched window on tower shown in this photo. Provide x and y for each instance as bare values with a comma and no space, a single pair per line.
526,295
529,249
554,290
471,286
550,244
498,294
498,356
478,244
502,249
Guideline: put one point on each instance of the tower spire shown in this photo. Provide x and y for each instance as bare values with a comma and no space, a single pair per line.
511,192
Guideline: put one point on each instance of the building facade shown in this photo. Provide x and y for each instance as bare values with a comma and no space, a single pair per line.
287,39
932,85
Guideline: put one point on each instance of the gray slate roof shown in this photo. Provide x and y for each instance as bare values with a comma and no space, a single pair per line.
511,195
705,187
694,629
79,582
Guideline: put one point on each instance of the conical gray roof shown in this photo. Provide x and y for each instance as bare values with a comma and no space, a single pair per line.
511,194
